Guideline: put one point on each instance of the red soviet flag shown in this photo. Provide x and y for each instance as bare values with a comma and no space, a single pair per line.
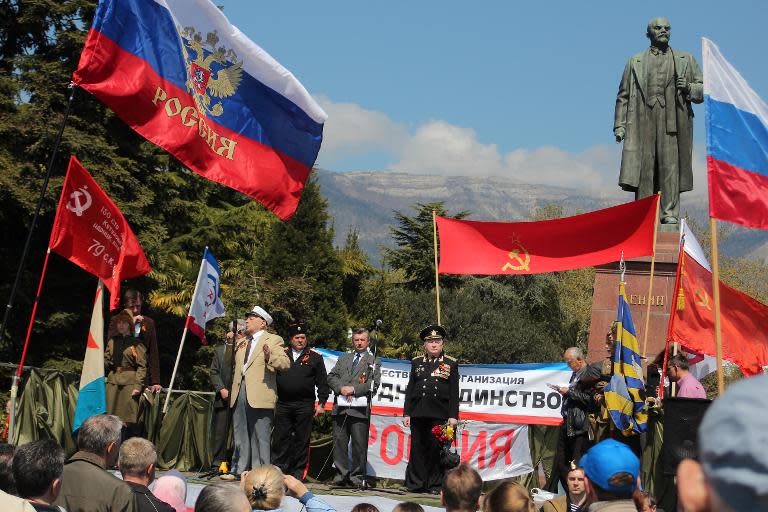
91,232
743,320
471,247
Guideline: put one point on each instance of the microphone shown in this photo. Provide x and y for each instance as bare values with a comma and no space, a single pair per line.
378,324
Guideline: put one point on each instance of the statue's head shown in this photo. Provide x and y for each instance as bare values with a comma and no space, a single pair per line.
659,31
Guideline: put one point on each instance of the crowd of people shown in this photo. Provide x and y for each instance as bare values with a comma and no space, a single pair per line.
731,474
268,392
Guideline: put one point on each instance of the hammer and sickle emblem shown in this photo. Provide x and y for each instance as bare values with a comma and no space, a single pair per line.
519,255
702,299
77,206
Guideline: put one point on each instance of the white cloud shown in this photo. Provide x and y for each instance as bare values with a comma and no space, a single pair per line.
440,148
353,130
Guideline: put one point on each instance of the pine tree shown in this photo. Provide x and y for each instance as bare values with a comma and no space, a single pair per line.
414,254
302,248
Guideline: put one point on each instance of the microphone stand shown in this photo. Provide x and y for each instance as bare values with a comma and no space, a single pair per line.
365,483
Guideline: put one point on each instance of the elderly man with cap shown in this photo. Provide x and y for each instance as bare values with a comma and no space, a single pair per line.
296,403
732,472
431,399
258,357
611,472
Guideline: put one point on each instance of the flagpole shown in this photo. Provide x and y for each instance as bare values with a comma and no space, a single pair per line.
32,224
620,326
716,296
650,282
184,334
17,377
437,279
673,386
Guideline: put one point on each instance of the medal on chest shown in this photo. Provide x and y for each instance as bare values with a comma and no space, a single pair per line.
443,371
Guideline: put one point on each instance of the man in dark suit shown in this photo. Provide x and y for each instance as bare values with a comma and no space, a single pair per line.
221,380
296,403
431,399
352,379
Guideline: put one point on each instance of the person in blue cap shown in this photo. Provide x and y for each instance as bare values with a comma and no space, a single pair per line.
611,472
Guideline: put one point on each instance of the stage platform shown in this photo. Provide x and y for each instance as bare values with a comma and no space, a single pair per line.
341,499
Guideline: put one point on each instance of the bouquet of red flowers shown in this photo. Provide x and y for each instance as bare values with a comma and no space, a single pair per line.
445,434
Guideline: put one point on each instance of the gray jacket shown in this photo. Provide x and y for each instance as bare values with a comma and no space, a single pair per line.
359,378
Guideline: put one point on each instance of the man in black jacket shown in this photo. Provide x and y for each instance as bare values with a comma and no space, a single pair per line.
296,403
431,399
221,380
578,403
137,465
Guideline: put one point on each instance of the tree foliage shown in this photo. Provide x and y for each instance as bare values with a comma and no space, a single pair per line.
291,269
414,254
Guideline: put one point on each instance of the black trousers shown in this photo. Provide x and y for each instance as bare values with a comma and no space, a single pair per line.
424,471
222,419
569,448
290,437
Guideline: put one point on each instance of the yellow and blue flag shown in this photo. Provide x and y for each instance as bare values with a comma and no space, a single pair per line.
625,393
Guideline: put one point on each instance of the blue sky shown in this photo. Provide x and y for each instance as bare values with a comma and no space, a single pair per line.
520,89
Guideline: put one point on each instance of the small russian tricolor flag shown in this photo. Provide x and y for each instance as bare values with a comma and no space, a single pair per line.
737,143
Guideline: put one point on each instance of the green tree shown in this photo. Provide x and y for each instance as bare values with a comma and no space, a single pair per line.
355,268
303,248
415,248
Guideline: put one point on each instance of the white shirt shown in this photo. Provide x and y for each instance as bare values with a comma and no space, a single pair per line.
254,344
296,354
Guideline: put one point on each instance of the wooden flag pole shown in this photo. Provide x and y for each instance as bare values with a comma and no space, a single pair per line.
437,278
650,282
716,296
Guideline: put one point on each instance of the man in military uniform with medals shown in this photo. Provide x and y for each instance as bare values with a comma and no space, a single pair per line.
431,399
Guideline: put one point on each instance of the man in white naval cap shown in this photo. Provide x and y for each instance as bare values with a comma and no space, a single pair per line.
258,357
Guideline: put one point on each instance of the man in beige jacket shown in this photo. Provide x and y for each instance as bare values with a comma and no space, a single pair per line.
258,357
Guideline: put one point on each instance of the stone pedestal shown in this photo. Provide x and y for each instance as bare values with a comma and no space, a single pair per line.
637,277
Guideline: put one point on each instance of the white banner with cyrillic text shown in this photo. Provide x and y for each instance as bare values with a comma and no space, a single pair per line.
495,450
498,393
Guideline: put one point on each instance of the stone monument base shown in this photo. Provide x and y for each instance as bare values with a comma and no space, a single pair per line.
637,278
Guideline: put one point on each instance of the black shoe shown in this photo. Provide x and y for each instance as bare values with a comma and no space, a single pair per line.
340,482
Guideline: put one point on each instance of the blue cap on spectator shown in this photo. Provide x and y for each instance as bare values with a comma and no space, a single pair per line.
612,466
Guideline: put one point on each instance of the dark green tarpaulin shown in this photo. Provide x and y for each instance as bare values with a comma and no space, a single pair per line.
47,403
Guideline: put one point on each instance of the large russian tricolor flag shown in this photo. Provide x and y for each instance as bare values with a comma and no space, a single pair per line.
737,143
183,77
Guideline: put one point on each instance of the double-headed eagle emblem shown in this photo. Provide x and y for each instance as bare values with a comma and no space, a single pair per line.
211,73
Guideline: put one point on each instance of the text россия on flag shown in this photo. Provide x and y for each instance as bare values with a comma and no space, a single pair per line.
487,248
737,143
183,77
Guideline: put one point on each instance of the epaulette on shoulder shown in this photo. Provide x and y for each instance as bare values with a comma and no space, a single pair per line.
450,359
313,351
418,359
